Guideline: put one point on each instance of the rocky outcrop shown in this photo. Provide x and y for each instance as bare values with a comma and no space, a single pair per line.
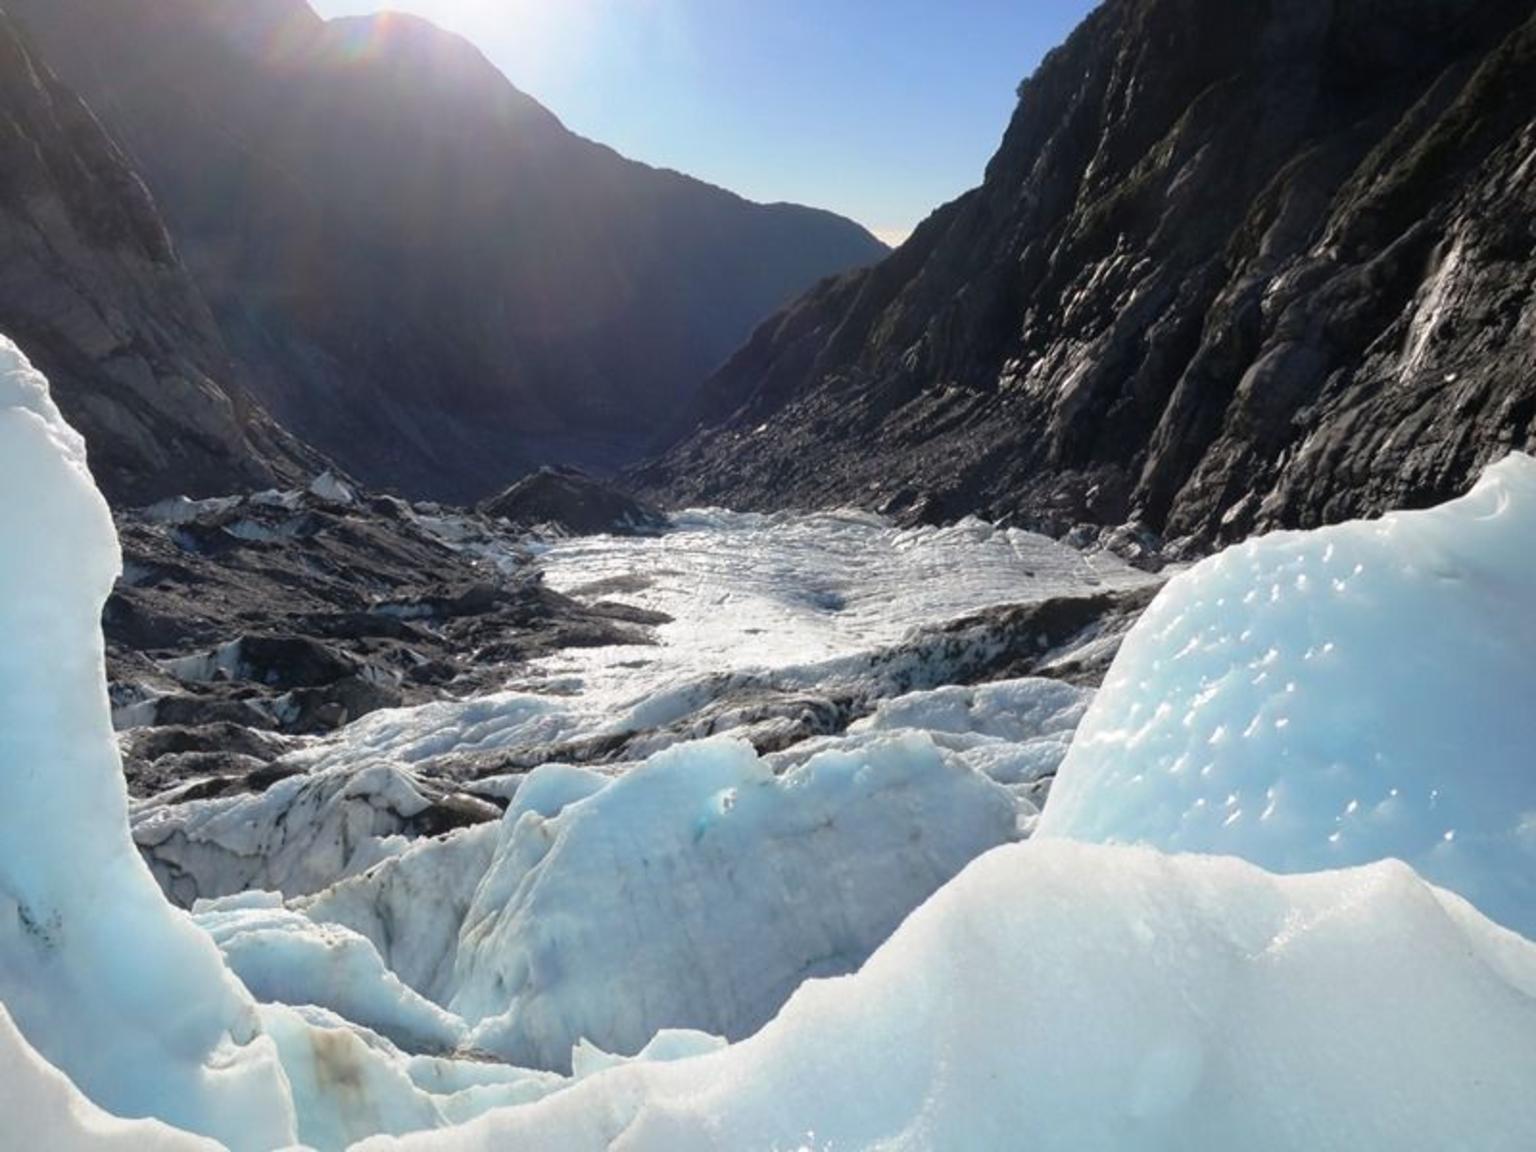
433,280
92,288
244,621
1234,266
574,504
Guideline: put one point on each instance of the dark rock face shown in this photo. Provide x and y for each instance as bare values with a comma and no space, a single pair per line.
575,504
242,622
93,291
433,280
1234,266
1071,638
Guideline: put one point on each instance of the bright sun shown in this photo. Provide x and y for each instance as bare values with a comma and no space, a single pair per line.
531,39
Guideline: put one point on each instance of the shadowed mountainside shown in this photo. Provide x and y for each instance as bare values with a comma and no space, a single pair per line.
1234,266
433,280
92,288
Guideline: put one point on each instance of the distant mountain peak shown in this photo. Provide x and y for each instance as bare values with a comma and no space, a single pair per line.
274,30
422,63
430,278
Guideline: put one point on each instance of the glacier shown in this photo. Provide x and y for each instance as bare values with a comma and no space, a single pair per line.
696,890
1077,997
1311,700
843,944
820,588
821,606
106,980
699,889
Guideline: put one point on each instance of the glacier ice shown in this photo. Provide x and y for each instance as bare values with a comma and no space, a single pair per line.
41,1109
328,486
527,931
1078,997
100,974
1062,994
820,586
669,1044
350,1083
347,1083
412,906
1310,700
1015,732
284,957
299,836
699,889
823,595
1014,711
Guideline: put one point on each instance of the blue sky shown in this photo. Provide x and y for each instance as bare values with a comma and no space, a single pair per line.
878,110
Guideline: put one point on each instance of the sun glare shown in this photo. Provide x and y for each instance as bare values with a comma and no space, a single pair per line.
534,40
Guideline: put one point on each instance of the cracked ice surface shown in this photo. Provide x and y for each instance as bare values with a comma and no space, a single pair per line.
790,590
784,600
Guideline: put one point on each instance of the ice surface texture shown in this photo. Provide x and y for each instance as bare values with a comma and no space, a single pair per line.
699,889
301,835
1311,700
696,890
757,603
40,1109
98,971
1069,997
780,590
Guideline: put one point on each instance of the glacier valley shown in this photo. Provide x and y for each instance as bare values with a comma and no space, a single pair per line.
846,852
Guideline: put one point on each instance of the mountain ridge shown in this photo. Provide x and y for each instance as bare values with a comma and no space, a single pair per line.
93,287
432,280
1183,294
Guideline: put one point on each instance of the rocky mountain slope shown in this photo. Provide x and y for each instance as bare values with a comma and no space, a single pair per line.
436,282
242,621
1234,266
93,289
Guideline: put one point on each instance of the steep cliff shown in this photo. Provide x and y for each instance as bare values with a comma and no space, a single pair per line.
93,290
1234,266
